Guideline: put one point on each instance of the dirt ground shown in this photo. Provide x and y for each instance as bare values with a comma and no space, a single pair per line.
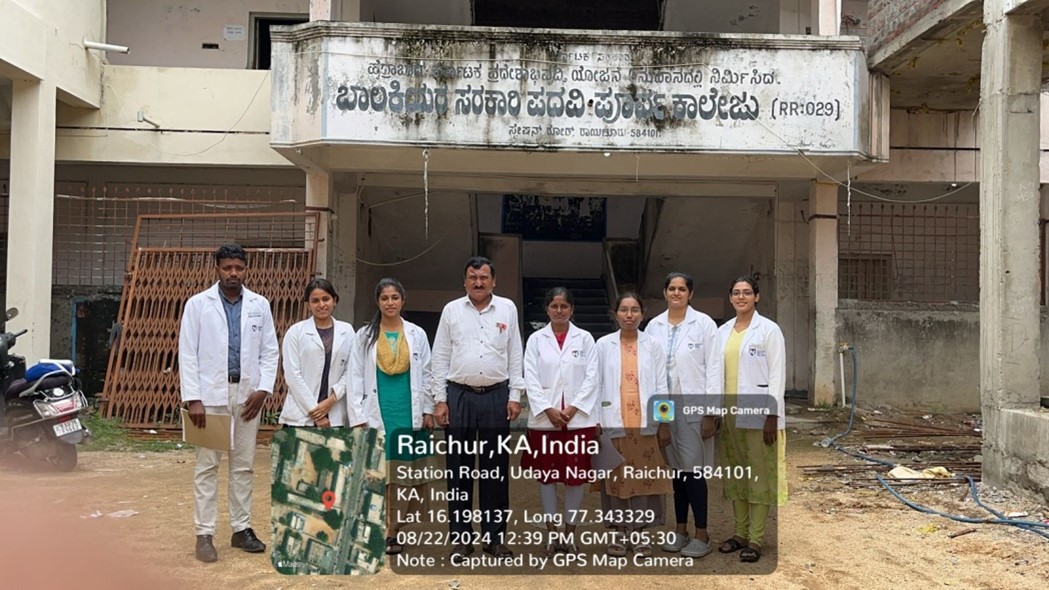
830,535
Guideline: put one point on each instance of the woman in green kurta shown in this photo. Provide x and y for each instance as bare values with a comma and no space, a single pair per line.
752,444
391,371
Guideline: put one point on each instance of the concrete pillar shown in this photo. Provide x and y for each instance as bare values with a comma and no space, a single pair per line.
1043,235
823,288
31,215
320,190
791,279
342,250
826,16
1010,339
335,10
794,17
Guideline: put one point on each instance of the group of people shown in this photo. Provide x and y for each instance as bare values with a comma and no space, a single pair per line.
579,391
578,388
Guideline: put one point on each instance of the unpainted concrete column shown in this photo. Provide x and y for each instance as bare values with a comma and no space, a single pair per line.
320,190
1043,234
31,215
1010,339
335,10
826,16
823,287
791,277
342,249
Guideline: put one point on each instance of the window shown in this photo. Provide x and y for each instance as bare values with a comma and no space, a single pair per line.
261,46
865,277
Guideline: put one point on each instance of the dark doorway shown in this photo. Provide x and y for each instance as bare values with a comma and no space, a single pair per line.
91,328
260,34
637,15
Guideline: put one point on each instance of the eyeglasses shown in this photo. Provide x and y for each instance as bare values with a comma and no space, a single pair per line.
742,293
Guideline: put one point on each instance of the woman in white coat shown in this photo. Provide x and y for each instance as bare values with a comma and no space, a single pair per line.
560,371
694,377
752,442
633,370
316,355
390,372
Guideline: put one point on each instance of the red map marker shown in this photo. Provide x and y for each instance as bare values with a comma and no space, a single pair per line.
329,499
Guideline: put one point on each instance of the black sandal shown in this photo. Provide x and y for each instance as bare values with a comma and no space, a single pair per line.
750,554
732,545
393,547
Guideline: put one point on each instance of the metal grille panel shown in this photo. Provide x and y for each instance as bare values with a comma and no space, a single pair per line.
926,253
94,225
168,265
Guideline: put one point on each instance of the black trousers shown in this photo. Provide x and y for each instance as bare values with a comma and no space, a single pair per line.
478,417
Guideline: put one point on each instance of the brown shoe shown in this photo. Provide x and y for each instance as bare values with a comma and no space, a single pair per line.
462,550
498,550
206,549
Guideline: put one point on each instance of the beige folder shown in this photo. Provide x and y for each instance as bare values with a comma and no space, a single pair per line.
217,433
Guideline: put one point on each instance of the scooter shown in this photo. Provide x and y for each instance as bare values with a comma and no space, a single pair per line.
42,405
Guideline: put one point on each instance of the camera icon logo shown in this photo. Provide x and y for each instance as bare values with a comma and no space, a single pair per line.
663,410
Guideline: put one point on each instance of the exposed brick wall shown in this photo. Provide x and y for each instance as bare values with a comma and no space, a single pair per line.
888,19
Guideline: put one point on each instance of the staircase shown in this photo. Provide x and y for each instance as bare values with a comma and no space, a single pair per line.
591,305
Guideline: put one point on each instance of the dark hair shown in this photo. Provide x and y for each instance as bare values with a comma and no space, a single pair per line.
679,275
745,279
231,251
556,291
322,284
628,295
373,326
477,262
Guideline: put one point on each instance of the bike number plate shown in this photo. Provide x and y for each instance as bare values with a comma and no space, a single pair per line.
67,427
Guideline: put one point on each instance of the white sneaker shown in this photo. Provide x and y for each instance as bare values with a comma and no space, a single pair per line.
676,542
696,548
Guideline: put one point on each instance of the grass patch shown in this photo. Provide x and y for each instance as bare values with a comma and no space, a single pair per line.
108,434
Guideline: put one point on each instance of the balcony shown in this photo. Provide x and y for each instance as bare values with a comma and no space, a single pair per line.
353,96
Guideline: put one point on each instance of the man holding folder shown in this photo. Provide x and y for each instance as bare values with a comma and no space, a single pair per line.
227,366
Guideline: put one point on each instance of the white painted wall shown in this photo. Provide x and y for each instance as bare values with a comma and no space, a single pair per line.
207,117
170,33
43,40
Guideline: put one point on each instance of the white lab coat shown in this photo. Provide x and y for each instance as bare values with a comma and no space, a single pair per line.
363,399
698,382
652,381
203,344
762,369
699,359
558,377
303,355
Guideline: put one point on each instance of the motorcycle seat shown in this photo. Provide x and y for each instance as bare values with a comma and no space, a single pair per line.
20,385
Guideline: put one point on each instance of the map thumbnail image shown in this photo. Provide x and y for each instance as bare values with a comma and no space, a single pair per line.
328,498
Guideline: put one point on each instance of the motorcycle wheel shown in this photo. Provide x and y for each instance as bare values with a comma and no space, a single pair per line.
65,458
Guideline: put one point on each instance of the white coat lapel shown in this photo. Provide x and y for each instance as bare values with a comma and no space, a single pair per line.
314,334
754,333
340,335
548,343
617,364
684,331
216,304
570,342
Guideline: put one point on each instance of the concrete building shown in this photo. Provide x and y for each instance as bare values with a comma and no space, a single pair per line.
830,146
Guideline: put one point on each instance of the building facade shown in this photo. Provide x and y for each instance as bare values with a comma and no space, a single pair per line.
829,146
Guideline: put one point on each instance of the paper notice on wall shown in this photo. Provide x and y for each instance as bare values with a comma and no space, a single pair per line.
233,32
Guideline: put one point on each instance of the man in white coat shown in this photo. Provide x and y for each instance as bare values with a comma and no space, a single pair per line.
227,366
